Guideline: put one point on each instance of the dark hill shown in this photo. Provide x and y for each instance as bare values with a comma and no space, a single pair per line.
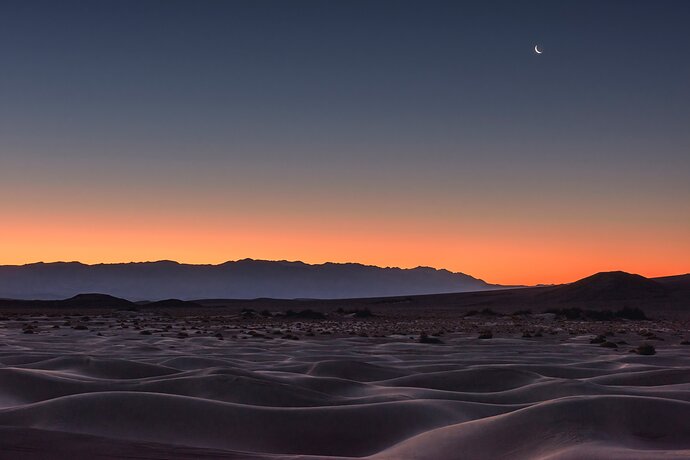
677,282
79,301
608,286
94,300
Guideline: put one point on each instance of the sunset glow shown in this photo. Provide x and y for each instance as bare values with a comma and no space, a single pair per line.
515,254
193,134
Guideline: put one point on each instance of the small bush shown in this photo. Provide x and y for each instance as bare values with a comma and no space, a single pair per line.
568,313
305,314
631,313
356,313
423,338
364,313
486,335
575,313
646,349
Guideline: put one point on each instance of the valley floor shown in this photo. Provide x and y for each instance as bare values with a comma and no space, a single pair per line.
154,386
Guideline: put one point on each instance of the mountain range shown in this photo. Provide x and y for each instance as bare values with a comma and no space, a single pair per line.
242,279
601,291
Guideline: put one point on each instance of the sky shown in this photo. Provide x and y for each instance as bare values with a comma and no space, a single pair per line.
393,133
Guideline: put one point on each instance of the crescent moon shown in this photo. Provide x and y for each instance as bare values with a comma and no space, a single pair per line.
536,49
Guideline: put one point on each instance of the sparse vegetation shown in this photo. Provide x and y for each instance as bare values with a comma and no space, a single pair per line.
486,335
484,312
356,313
305,314
575,313
424,338
645,349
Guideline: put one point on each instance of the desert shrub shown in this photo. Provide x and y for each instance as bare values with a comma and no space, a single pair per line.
599,315
486,335
574,313
357,313
646,349
424,338
631,313
305,314
568,313
247,312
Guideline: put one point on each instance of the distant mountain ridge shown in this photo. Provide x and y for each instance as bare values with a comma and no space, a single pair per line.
242,279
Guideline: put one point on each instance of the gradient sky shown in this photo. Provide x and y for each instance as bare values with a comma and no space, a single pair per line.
385,132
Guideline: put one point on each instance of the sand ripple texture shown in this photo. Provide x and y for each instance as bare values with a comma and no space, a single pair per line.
75,394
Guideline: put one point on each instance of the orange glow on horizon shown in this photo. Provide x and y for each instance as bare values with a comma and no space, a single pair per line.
504,255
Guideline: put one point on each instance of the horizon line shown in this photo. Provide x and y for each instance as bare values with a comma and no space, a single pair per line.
172,261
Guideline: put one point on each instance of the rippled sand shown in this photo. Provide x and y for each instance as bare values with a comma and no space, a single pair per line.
111,391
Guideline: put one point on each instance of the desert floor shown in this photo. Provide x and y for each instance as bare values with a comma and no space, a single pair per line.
150,385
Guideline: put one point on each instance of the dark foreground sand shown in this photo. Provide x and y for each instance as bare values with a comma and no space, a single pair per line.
137,385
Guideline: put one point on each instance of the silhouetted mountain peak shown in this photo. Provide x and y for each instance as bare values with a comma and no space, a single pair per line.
614,285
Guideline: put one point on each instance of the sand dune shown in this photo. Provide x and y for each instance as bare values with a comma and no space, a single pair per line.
550,428
112,392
